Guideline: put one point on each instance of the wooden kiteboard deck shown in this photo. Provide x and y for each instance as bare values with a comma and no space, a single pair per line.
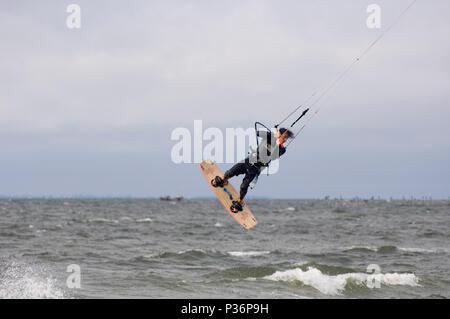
227,194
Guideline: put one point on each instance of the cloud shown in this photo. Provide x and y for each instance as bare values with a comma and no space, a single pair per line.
140,70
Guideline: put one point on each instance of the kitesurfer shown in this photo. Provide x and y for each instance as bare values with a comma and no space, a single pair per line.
270,148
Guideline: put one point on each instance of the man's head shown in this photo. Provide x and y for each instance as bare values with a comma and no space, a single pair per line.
284,134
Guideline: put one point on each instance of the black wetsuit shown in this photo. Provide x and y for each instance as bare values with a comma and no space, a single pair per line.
253,164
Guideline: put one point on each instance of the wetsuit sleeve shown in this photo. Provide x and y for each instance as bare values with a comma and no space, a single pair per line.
275,155
282,150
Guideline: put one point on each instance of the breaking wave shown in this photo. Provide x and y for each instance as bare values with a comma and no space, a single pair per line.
202,253
337,284
21,281
393,249
247,253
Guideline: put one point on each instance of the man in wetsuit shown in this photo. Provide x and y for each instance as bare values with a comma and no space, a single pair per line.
270,148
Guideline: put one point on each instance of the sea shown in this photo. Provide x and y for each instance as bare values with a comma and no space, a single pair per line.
147,248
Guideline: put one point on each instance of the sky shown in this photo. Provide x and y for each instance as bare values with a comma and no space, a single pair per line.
90,111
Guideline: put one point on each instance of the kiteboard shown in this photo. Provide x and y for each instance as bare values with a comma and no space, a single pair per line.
227,194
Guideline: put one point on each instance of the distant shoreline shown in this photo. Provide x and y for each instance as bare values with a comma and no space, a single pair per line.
425,198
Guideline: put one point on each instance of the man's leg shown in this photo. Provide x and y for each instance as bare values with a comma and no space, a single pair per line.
249,176
245,184
237,169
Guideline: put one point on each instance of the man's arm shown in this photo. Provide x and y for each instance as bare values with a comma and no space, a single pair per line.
277,152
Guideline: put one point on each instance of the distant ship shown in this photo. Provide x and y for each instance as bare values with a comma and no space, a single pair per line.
168,198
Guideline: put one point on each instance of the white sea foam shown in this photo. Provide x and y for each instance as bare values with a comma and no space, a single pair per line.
144,220
180,252
103,220
287,209
418,250
20,281
407,249
372,248
197,250
247,253
335,285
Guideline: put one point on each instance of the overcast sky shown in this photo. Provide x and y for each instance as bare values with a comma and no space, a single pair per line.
90,111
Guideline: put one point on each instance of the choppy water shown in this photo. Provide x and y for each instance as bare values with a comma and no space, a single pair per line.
142,248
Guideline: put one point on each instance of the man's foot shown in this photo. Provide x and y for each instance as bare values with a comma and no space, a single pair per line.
219,182
236,206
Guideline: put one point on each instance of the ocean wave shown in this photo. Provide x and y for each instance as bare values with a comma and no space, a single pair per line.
391,249
21,281
287,209
327,269
115,221
247,273
378,249
421,250
202,253
360,248
103,220
247,253
144,220
188,253
337,284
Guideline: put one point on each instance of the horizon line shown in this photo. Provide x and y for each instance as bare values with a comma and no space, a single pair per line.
327,197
